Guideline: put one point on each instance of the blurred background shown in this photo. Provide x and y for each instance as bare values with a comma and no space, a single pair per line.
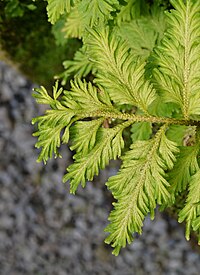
45,230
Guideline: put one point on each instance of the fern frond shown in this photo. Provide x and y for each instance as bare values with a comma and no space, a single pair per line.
138,186
109,143
49,132
191,212
143,33
86,13
80,66
177,60
140,36
145,85
128,12
118,70
51,124
42,97
84,135
82,101
185,166
56,8
85,96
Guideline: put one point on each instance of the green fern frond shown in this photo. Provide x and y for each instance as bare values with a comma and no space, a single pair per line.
86,13
143,33
42,97
49,131
185,166
85,97
51,124
177,59
140,36
84,135
118,70
109,143
191,210
80,66
128,12
81,102
56,8
139,184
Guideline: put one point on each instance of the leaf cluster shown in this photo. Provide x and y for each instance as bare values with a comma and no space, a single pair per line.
142,64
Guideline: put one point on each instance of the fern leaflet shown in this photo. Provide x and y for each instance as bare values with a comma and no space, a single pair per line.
177,59
138,186
190,213
108,146
118,71
56,8
87,13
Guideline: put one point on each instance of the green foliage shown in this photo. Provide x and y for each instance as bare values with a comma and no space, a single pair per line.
87,13
80,66
15,8
142,61
190,213
56,8
27,39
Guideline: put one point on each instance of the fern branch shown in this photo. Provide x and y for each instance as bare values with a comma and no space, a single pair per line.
83,101
139,118
143,33
185,166
56,8
118,70
86,13
109,143
191,212
177,59
80,66
138,186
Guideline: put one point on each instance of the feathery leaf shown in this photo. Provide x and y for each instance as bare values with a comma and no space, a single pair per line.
139,184
185,166
177,59
80,66
109,143
56,8
118,70
86,13
143,33
192,207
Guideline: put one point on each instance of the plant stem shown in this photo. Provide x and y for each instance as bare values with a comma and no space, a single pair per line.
140,118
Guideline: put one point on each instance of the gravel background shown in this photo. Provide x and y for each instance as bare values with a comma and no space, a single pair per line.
45,230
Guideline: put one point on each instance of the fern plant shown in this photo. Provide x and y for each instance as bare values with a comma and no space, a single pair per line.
137,76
